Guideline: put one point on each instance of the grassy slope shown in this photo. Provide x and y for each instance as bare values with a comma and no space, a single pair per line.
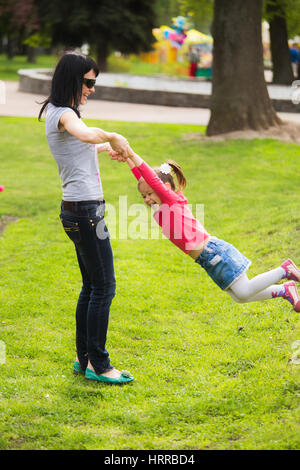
210,374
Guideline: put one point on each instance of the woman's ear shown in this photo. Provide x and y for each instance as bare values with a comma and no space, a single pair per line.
168,185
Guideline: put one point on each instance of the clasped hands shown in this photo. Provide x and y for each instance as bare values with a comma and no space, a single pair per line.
120,150
117,147
118,156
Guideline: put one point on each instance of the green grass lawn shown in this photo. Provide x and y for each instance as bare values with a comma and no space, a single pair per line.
210,374
9,68
130,64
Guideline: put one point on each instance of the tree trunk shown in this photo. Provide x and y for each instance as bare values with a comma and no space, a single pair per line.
240,98
32,53
102,55
282,67
11,48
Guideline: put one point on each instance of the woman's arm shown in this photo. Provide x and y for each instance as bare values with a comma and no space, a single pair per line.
93,135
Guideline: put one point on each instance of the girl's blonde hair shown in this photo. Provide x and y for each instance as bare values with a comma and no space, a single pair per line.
169,178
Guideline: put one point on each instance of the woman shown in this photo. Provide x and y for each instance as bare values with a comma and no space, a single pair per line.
74,147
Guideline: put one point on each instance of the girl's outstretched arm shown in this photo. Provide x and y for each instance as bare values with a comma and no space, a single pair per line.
134,157
134,169
164,192
133,165
116,156
131,157
130,163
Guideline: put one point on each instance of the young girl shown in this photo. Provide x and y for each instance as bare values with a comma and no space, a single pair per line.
221,260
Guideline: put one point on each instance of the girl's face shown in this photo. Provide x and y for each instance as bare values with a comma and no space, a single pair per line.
149,196
86,91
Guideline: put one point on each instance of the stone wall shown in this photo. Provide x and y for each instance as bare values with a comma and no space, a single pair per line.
38,81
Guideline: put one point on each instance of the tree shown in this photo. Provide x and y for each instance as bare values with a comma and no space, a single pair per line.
122,25
18,19
276,16
292,13
240,97
202,13
165,11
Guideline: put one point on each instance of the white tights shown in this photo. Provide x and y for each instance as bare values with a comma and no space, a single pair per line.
261,287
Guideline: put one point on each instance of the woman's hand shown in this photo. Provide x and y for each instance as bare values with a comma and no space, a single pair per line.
119,144
132,160
131,156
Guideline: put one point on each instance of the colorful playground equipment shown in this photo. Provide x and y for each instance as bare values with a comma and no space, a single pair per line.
173,44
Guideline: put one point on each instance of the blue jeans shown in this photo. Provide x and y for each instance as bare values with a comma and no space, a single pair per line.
222,262
87,230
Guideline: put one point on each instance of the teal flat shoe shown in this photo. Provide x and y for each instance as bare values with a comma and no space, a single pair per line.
77,369
125,377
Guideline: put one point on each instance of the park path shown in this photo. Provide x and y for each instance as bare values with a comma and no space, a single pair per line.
28,105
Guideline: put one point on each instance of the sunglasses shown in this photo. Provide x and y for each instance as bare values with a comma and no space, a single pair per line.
89,82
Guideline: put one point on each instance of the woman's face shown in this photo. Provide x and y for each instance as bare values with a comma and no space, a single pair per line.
86,91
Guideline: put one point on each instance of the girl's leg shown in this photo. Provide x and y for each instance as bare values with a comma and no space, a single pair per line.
245,288
275,290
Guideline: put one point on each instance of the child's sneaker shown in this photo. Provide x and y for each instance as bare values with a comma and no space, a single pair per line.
292,272
291,294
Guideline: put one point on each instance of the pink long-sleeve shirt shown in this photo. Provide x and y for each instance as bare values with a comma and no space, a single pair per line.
174,216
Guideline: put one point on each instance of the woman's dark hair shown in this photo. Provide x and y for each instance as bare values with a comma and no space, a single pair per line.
66,85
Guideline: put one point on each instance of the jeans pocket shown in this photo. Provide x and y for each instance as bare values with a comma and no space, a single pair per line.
72,229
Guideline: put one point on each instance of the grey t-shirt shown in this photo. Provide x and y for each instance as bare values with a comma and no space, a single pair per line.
77,161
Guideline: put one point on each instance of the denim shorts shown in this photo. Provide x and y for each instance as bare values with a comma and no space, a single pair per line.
222,262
